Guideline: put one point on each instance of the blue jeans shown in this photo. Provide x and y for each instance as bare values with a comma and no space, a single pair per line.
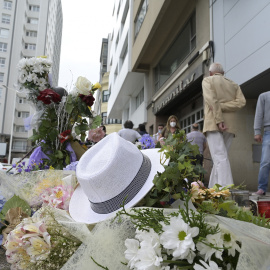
265,162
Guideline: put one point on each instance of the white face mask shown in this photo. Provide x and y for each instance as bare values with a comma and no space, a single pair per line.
173,124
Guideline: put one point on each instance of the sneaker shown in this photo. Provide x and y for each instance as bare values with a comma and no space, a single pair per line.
259,192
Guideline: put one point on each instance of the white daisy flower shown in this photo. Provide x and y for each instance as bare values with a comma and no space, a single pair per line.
230,243
212,266
148,258
131,254
217,241
178,236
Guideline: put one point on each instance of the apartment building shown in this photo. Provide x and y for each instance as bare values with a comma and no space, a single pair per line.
127,93
171,44
102,96
28,28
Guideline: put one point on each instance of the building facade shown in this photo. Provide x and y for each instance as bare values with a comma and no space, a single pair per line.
127,93
167,59
28,28
102,96
242,46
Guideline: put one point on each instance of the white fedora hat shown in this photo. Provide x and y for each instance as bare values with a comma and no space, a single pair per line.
109,172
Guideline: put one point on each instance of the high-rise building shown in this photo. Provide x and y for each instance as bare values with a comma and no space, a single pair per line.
28,28
102,96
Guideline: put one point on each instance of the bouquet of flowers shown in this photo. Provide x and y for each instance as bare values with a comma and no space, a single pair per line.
59,114
180,240
146,142
200,193
39,242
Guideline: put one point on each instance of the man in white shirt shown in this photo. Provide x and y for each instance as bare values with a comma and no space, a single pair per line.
128,133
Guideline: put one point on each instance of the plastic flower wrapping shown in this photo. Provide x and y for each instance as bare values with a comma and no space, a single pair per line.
60,115
39,242
180,239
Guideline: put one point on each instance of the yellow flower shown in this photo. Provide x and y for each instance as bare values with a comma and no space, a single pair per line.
42,56
96,86
51,167
59,194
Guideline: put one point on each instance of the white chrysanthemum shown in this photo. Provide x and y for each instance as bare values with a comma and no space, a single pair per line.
178,236
131,254
230,243
212,266
149,238
148,258
37,68
217,241
32,77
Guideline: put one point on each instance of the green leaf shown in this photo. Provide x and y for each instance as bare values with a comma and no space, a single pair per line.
59,154
53,134
96,122
67,159
14,202
46,123
78,130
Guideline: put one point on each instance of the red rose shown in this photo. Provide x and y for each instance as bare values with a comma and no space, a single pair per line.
48,96
89,99
64,136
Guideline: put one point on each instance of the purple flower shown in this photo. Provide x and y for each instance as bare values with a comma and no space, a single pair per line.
147,141
19,170
13,165
72,166
23,163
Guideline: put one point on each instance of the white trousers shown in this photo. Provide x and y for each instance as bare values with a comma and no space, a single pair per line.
219,144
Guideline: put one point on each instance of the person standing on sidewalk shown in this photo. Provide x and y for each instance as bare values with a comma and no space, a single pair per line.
196,137
222,97
262,119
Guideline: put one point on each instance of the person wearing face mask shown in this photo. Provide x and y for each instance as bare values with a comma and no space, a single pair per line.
156,136
172,127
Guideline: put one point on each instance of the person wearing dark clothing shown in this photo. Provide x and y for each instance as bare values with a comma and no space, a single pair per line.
142,130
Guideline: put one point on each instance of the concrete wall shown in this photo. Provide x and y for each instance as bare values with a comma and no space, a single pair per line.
241,37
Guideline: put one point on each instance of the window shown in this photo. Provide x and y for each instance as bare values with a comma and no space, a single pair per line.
104,118
105,96
116,73
33,8
2,62
19,145
21,100
3,47
32,21
7,5
6,18
140,17
20,129
1,77
177,53
123,53
4,33
29,46
31,33
195,117
140,98
23,114
116,42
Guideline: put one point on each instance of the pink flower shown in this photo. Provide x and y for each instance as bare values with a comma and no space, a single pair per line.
57,197
96,135
28,242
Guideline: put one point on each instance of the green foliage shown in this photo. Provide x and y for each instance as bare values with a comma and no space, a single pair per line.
230,209
171,182
14,202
